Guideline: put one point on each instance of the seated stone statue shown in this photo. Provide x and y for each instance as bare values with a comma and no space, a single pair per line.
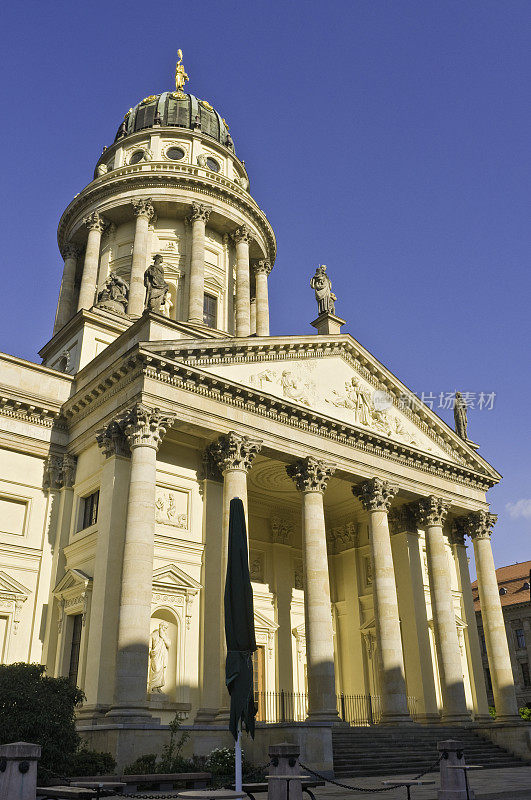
156,286
114,294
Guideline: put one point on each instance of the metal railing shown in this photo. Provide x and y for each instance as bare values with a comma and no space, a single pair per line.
356,709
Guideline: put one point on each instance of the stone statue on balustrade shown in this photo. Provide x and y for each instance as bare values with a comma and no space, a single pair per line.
156,286
322,286
159,645
114,294
460,417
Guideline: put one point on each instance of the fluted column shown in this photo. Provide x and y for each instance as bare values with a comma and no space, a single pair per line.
473,651
243,291
95,224
261,272
480,524
198,219
376,496
431,513
65,306
232,455
143,211
144,429
311,477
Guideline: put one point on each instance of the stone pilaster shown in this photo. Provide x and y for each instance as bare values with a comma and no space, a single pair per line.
376,496
144,429
480,524
261,271
198,219
65,307
431,513
242,237
144,212
96,225
311,478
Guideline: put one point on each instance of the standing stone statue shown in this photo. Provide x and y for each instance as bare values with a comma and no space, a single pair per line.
156,286
460,417
159,644
114,294
322,285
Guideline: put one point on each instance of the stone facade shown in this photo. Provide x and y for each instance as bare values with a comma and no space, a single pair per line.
121,453
515,596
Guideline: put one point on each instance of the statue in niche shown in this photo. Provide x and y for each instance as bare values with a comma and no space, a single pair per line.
159,644
166,305
156,286
114,294
460,417
322,286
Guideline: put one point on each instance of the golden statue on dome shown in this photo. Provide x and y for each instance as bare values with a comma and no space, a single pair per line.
180,76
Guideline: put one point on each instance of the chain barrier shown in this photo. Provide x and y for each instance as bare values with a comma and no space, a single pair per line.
396,785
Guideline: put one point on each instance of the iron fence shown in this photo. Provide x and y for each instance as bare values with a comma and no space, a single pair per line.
356,709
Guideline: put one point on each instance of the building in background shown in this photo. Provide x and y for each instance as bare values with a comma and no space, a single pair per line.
161,396
514,583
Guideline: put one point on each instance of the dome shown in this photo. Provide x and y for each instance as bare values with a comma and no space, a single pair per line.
176,109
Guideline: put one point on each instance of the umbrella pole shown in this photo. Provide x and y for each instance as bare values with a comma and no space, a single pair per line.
238,760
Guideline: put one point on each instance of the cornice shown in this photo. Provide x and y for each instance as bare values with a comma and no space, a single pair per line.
162,174
35,411
190,378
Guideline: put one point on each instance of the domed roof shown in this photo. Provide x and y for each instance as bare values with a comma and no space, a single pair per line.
179,110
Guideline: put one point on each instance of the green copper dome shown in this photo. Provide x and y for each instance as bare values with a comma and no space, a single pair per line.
179,110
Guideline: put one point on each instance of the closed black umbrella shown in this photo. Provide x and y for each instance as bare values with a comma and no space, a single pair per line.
239,625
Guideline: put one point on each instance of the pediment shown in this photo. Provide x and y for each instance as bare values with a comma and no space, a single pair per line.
336,379
261,622
9,586
172,578
73,579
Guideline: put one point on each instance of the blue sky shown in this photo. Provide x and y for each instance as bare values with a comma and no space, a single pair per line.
387,139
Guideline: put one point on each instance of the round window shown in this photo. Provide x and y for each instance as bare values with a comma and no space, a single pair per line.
137,156
212,164
175,153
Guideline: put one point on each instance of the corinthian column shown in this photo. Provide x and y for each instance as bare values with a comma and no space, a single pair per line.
144,429
198,218
143,211
376,496
65,306
480,524
243,291
431,512
261,271
231,457
95,224
311,477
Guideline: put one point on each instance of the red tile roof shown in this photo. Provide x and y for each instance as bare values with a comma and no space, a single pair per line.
512,578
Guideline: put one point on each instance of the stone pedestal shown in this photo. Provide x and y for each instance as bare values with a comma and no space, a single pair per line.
453,786
284,764
328,324
18,781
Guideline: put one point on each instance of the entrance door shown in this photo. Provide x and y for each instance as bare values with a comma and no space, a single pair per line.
77,626
259,682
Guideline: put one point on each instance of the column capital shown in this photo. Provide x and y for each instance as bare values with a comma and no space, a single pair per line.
459,529
311,474
53,472
70,251
112,440
94,222
69,470
242,234
143,207
262,266
211,463
145,427
480,524
432,510
234,451
376,494
402,520
199,211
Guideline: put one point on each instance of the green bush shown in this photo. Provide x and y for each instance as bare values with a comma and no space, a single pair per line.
492,712
143,765
90,762
37,708
171,758
525,713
